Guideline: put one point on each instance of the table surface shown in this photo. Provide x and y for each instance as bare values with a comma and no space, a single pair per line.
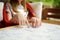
46,31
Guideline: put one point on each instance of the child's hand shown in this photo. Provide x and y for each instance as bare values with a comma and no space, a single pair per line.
14,19
22,20
35,22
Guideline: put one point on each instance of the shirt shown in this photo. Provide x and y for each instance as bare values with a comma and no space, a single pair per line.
20,8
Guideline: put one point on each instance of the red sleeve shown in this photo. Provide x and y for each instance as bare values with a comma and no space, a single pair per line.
30,10
5,18
5,15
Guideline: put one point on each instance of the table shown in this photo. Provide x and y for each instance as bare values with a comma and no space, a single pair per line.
46,31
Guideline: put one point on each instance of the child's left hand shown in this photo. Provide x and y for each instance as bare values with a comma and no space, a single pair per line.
35,22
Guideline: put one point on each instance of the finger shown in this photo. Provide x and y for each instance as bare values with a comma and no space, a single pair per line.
27,23
24,22
34,24
37,23
20,24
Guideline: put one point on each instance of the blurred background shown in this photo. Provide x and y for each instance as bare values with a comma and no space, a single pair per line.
54,3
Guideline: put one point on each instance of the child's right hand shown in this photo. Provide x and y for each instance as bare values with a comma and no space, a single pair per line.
22,20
